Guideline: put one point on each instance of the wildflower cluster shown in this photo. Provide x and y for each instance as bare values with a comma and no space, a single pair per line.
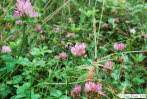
24,9
91,89
6,49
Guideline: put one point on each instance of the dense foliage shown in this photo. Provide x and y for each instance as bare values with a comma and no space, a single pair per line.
72,49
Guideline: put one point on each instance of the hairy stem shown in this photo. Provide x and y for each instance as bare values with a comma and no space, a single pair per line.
23,40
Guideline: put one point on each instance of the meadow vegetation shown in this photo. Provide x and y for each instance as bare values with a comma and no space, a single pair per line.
72,49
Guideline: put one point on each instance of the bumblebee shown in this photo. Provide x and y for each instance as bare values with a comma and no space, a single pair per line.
69,45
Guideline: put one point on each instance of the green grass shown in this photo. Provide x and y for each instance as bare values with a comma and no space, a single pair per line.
35,74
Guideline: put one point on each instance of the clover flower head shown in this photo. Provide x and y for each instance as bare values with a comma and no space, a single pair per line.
24,8
6,49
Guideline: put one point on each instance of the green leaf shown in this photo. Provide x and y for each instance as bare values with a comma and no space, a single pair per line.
7,58
75,29
86,62
24,61
34,96
112,21
40,51
10,18
10,66
55,41
12,44
7,32
22,89
138,80
115,75
17,79
26,85
100,0
4,90
138,57
64,97
39,62
20,96
126,84
55,93
44,1
35,51
141,91
52,62
90,13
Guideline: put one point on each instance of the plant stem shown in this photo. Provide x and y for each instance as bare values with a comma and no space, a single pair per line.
95,36
23,40
31,81
99,28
